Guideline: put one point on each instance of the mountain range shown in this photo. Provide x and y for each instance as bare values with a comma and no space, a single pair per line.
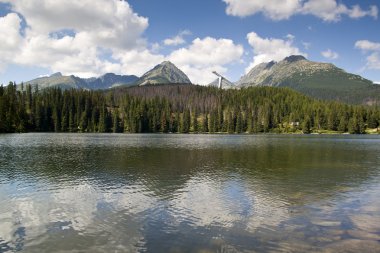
163,73
316,79
106,81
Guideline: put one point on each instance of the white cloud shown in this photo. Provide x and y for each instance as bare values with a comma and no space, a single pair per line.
373,48
274,9
367,45
107,23
137,62
329,54
328,10
10,37
373,61
290,37
155,47
94,27
203,52
205,55
357,12
178,39
270,49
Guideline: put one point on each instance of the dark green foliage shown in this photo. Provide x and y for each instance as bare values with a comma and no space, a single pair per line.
177,109
306,125
185,122
335,85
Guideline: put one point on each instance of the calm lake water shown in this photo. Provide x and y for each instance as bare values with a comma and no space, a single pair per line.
189,193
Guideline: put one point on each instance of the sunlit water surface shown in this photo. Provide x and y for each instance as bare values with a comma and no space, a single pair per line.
189,193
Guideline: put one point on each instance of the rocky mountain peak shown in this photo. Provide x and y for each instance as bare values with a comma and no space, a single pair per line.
167,63
294,58
58,74
164,73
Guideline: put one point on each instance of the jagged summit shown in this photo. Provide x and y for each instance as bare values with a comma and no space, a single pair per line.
164,73
294,58
58,74
269,64
167,63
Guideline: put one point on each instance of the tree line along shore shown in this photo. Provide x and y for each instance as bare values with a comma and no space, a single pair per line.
179,109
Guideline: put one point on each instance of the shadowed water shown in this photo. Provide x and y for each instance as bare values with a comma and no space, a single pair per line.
189,193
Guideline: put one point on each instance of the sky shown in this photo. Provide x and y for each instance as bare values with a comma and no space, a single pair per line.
92,37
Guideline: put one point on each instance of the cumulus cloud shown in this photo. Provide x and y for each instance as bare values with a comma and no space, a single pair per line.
373,48
105,23
70,36
10,37
274,9
138,61
203,52
178,39
367,45
329,54
357,12
270,49
328,10
205,55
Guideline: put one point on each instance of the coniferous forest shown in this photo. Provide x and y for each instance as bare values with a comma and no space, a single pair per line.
177,109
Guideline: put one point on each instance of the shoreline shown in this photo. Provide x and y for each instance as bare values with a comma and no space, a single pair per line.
322,132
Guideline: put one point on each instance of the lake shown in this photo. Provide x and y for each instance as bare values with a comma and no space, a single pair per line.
189,193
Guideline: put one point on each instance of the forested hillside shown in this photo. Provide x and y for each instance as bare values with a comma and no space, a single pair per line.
177,108
316,79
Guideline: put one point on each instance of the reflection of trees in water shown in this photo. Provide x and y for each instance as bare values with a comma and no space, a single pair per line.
295,169
186,193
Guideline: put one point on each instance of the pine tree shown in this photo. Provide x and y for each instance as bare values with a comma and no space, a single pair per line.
204,125
342,127
194,122
239,123
306,125
250,128
116,128
185,124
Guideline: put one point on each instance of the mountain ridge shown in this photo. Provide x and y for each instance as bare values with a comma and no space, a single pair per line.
316,79
163,73
57,80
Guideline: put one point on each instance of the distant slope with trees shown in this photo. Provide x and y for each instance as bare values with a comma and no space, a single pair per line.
177,109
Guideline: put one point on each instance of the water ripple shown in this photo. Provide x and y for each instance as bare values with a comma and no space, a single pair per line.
170,193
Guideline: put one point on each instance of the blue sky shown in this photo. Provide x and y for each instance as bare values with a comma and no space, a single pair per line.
93,37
